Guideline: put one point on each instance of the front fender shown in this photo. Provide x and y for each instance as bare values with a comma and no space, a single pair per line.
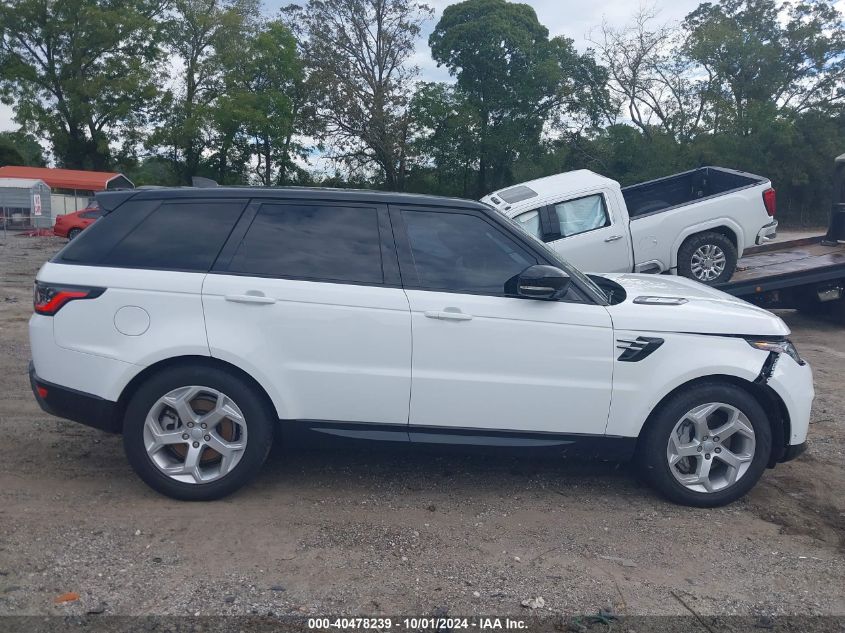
640,385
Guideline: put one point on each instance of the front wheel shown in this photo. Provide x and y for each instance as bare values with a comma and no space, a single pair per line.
197,433
706,446
707,257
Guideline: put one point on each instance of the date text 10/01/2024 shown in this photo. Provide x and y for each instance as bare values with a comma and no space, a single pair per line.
417,624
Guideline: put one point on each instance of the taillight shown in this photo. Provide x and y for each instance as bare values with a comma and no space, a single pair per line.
770,201
49,298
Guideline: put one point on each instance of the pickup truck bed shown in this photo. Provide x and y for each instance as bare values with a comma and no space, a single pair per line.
788,274
684,188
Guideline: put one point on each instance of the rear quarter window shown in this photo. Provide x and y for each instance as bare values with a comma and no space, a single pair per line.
170,235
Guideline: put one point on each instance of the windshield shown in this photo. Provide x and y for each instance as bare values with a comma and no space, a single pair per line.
564,265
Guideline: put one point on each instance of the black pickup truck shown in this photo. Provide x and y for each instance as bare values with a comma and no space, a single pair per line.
807,274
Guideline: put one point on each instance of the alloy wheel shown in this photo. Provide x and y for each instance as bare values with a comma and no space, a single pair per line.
708,262
711,447
195,434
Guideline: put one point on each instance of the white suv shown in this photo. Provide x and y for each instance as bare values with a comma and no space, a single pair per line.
194,321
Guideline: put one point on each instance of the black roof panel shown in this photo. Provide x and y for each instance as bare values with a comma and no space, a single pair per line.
111,200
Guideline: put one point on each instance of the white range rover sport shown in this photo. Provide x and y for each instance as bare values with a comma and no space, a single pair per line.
196,321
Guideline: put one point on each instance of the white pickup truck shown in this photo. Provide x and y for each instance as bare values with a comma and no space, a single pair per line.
695,224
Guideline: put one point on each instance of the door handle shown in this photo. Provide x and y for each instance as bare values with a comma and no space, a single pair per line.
613,238
448,314
252,296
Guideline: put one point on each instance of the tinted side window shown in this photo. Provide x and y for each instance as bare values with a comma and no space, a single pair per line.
320,242
91,215
178,236
460,252
100,238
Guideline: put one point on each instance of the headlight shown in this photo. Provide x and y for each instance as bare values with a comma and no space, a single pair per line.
779,347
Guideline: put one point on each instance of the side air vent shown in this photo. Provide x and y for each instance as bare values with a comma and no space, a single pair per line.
661,301
638,349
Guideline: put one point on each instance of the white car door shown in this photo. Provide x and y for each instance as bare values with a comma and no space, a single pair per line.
306,298
587,231
482,360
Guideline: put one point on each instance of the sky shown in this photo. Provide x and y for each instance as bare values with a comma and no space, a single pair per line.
572,18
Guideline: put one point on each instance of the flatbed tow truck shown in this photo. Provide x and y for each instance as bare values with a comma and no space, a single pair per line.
807,274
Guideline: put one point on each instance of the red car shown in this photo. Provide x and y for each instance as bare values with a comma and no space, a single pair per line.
71,224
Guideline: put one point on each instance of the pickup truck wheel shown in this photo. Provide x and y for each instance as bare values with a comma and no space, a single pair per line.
706,446
708,257
196,433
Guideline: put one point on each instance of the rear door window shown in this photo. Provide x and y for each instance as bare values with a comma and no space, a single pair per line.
317,242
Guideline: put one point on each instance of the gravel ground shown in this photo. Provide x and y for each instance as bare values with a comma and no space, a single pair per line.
376,532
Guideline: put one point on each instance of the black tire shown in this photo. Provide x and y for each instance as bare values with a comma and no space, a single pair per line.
258,414
73,233
695,242
652,446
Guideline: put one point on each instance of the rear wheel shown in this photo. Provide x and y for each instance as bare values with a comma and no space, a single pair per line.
73,233
706,446
197,433
707,257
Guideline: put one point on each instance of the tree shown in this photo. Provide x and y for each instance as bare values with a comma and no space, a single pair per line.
20,148
265,99
768,59
198,33
514,78
445,135
79,72
357,53
652,83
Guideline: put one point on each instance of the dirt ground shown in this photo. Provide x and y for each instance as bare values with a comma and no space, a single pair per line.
411,532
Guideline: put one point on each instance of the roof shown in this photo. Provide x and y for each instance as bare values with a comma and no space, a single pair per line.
569,182
110,200
20,183
64,178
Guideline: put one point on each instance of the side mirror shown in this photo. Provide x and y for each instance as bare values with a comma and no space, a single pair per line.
539,282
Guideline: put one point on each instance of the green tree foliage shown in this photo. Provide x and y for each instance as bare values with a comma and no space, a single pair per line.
197,33
767,59
357,52
265,98
79,72
650,84
445,141
20,148
214,88
513,80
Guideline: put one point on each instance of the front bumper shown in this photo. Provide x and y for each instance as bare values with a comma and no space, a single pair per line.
74,405
767,233
792,451
793,383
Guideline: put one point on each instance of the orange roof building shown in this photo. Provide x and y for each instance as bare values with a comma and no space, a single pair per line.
70,179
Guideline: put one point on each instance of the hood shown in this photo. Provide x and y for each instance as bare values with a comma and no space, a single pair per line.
697,308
